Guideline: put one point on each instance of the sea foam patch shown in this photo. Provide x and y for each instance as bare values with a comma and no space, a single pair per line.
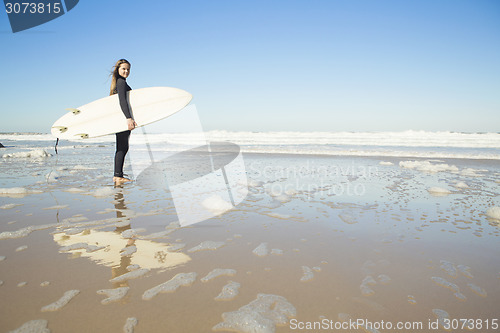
426,166
218,272
113,295
130,324
207,245
33,326
438,191
130,275
308,274
17,192
229,291
261,315
261,250
32,154
10,206
181,279
493,212
57,305
16,234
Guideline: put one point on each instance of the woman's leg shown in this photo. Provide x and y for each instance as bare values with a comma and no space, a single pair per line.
121,151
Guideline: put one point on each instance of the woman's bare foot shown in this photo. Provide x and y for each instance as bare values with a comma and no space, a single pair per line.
120,180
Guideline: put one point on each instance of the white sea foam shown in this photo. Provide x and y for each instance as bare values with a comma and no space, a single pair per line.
129,250
442,317
308,274
82,167
57,305
449,268
10,206
132,233
81,246
493,212
17,192
33,154
157,235
446,284
347,218
261,250
218,272
383,279
426,166
438,191
206,245
130,324
16,234
130,275
469,172
465,270
176,247
33,326
74,190
56,207
477,290
461,185
21,248
113,295
216,204
181,279
259,316
229,291
277,252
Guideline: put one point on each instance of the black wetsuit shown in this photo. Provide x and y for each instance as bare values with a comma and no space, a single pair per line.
122,138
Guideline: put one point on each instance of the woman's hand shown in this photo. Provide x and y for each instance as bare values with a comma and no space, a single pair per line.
131,124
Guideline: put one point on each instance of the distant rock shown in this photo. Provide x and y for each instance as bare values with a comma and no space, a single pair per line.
1,146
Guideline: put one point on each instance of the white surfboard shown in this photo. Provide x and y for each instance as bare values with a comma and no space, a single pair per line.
104,116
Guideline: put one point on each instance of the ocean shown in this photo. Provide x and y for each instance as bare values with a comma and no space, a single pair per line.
421,144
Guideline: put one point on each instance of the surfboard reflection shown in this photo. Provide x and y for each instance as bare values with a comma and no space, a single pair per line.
110,249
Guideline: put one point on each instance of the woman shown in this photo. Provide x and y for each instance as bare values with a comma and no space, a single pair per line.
119,86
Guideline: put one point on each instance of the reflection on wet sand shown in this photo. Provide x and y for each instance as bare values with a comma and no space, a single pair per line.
122,254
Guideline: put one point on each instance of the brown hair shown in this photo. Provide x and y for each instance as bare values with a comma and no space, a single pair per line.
115,75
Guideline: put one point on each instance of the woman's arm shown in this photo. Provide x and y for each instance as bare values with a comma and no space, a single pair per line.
122,88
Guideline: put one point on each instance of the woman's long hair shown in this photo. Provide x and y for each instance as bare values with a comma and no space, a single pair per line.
115,75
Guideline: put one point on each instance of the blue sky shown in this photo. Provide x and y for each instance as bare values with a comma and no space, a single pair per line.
327,65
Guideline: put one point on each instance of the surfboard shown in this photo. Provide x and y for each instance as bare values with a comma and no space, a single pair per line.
104,116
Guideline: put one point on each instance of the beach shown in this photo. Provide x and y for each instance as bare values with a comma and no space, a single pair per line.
364,237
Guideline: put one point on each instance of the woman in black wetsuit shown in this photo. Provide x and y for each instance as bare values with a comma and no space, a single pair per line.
119,86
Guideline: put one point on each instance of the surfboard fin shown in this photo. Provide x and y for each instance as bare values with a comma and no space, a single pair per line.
61,129
75,111
83,135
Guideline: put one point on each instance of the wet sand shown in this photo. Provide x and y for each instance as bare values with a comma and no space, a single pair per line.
323,237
